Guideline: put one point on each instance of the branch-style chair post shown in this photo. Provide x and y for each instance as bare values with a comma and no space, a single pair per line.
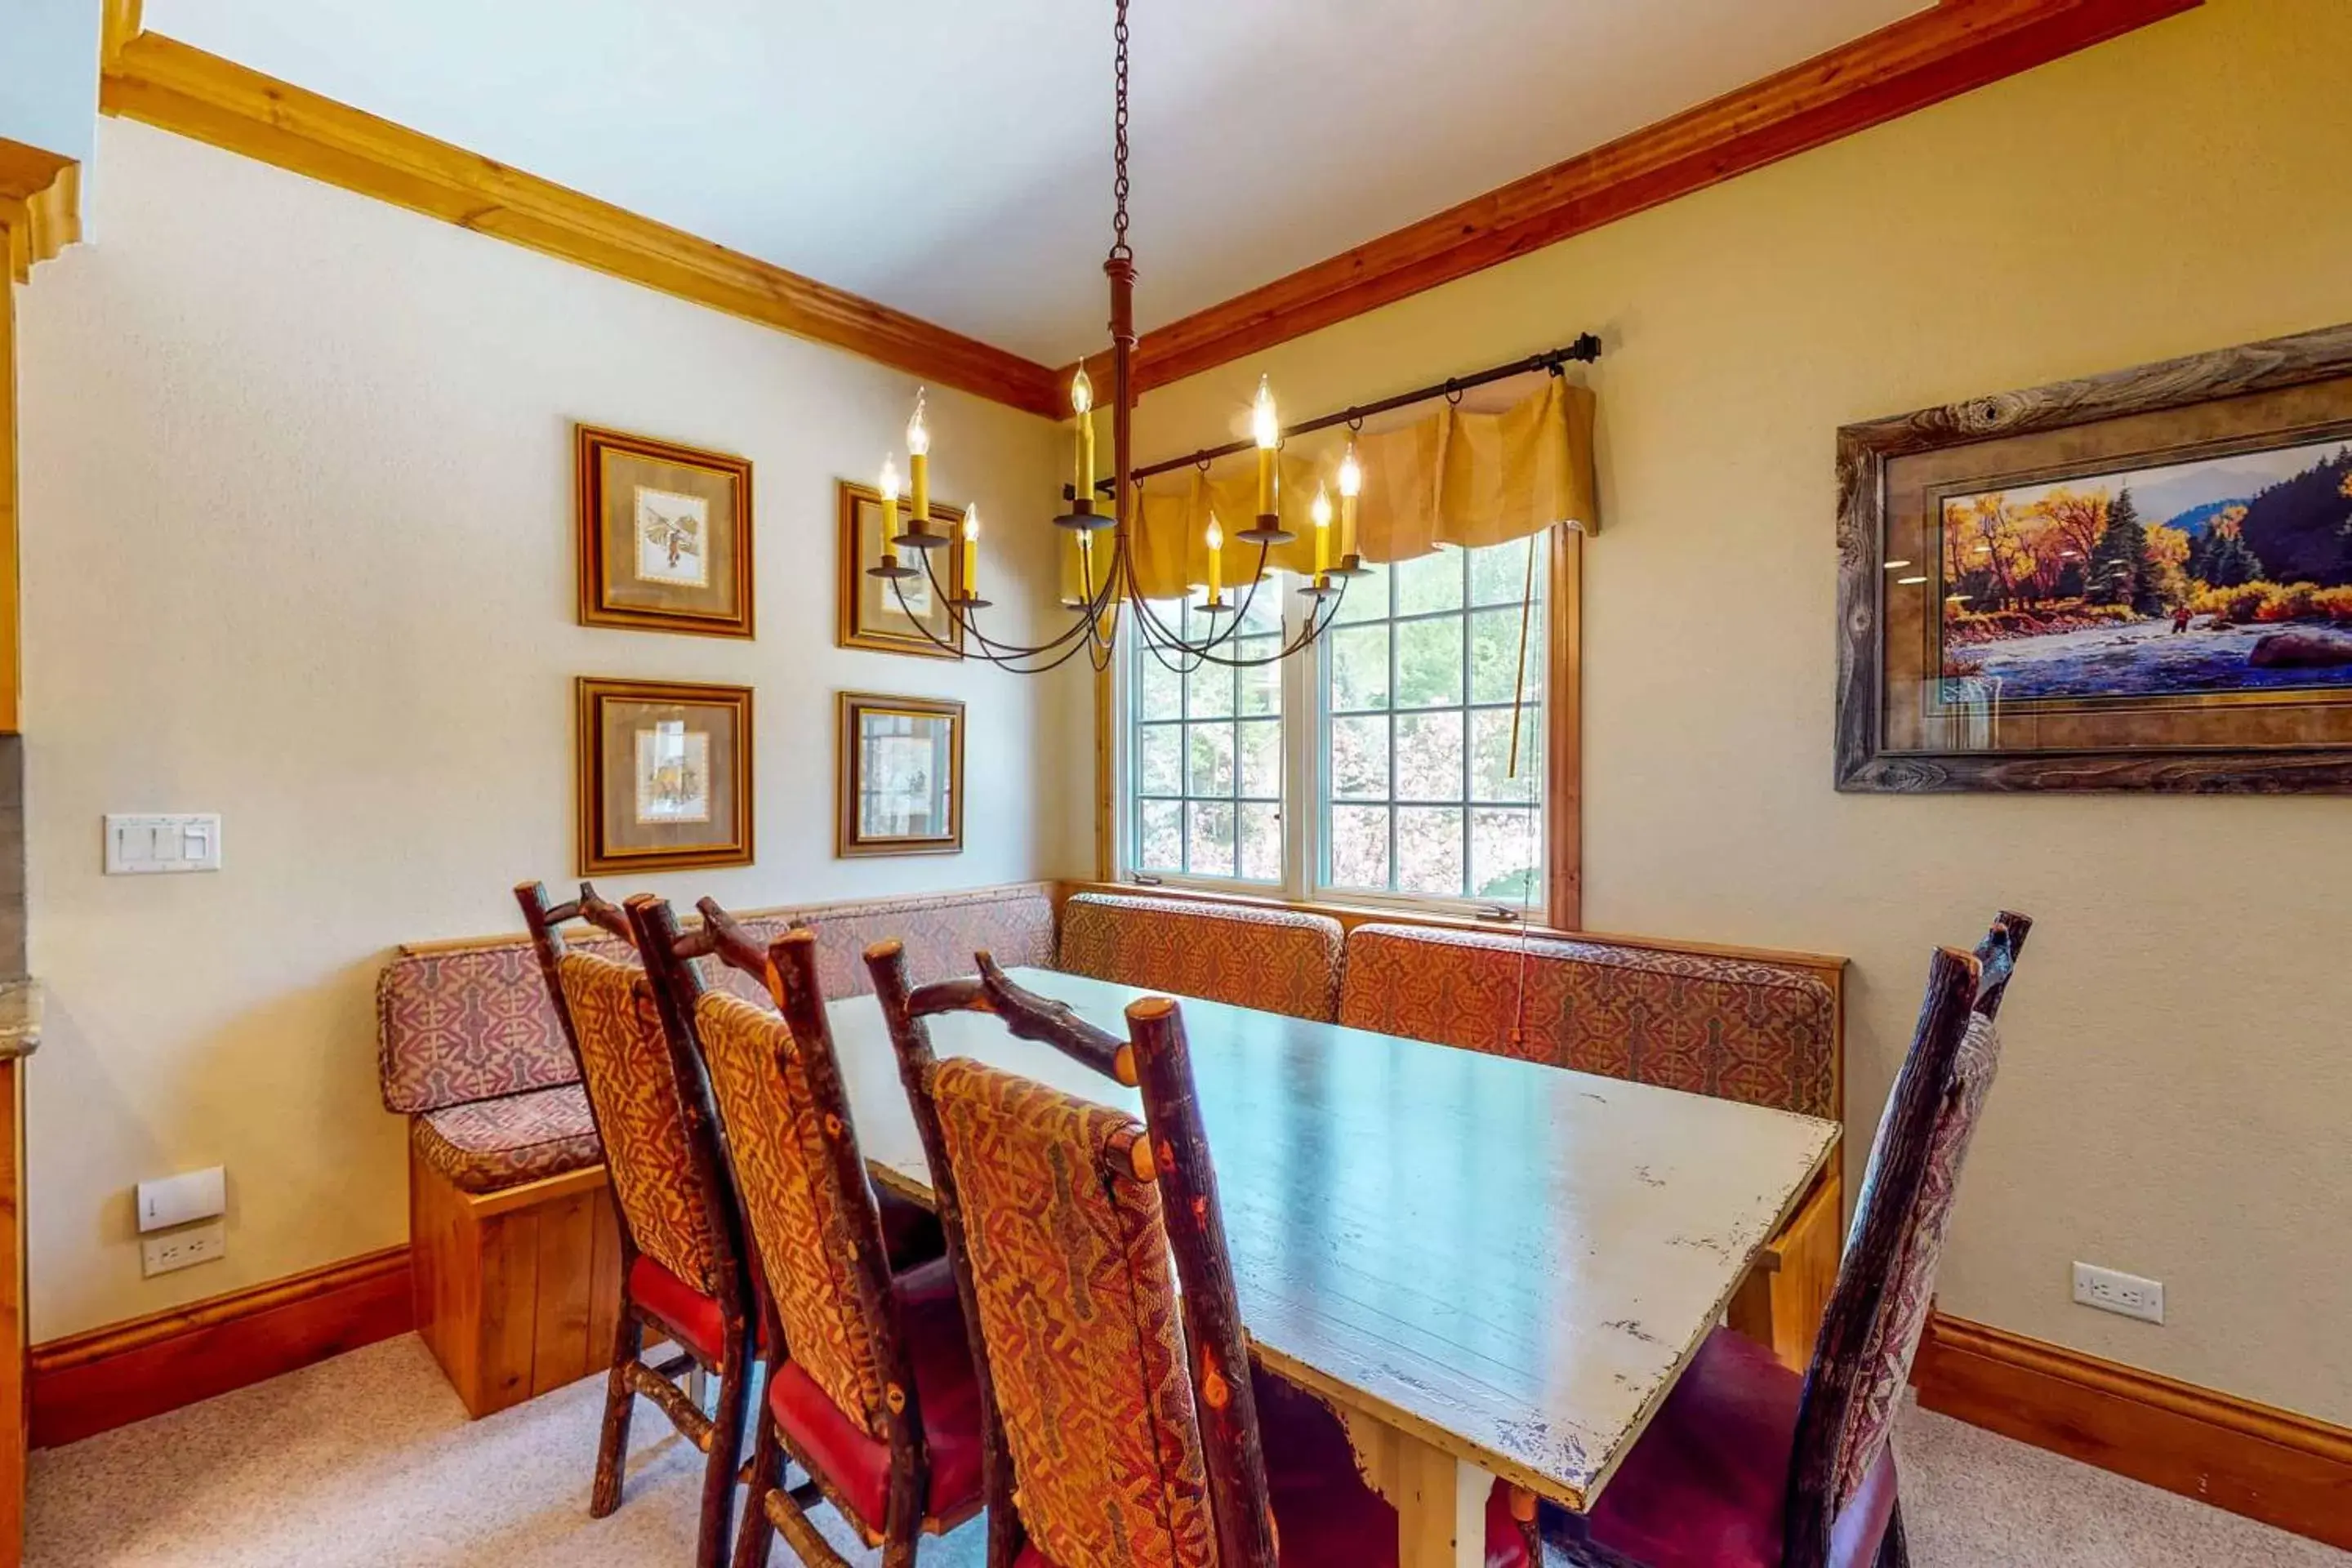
818,1233
683,1155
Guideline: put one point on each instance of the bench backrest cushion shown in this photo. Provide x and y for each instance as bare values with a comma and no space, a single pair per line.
942,932
1735,1029
457,1025
1279,961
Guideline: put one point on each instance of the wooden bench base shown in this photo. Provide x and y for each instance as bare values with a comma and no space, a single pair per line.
517,1291
1781,1302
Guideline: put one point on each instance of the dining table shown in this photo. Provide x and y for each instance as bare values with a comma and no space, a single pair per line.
1487,1266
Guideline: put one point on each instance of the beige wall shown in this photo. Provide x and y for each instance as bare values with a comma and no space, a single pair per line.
2177,1092
297,548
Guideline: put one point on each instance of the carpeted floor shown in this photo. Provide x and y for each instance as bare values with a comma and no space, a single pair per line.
369,1459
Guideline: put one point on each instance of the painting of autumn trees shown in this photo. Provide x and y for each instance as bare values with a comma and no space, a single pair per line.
2215,575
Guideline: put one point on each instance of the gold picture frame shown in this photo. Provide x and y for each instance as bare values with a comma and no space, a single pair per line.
901,776
664,772
664,535
869,615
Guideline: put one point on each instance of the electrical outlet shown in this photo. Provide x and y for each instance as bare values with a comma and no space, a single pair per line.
2111,1291
183,1248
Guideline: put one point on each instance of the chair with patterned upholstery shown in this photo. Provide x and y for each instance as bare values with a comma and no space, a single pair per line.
1127,1426
1276,960
1746,1466
870,1386
682,1268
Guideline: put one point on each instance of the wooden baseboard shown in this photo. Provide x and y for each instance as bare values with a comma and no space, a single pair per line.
2267,1464
109,1378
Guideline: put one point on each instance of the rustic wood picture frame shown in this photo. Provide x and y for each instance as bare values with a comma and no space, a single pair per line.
1865,763
850,839
727,781
722,605
855,624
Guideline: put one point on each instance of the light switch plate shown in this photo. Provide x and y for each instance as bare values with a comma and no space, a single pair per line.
138,845
179,1200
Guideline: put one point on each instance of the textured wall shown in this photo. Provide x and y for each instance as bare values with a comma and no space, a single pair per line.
297,548
2176,1090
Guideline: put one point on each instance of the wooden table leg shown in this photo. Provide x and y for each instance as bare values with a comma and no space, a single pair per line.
1441,1501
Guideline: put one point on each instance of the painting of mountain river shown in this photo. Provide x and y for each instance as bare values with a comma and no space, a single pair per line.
2206,577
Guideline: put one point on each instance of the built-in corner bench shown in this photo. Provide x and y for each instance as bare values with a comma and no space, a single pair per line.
512,1224
511,1230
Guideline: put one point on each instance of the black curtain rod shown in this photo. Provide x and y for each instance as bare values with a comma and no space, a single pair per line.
1583,351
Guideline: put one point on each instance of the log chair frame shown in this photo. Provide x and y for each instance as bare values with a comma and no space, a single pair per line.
720,1436
788,968
1156,1060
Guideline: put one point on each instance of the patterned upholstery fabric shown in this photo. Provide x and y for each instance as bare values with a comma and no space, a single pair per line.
1894,1336
1723,1027
471,1024
626,1061
1279,961
798,1220
1077,1309
486,1144
1014,925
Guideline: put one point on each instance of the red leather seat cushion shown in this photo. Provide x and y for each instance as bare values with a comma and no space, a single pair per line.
692,1318
1708,1484
946,1390
1324,1516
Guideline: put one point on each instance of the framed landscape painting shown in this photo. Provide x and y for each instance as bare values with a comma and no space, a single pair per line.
664,535
901,776
665,774
2140,581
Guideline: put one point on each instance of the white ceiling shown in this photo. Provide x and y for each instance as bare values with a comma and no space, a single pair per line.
953,157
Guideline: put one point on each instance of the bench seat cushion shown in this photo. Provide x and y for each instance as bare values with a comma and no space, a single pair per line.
1014,925
1279,961
484,1145
1735,1029
454,1025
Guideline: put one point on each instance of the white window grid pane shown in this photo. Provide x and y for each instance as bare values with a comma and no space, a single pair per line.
1472,806
1199,714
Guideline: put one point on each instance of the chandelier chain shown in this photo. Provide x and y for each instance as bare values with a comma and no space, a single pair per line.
1119,248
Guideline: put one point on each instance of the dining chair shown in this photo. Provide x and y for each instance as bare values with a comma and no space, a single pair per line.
1125,1424
682,1265
1747,1465
870,1386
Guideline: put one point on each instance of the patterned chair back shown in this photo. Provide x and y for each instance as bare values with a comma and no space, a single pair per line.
1123,1410
1879,1305
804,1229
634,1095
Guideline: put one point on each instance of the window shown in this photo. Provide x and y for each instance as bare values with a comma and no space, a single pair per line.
1397,734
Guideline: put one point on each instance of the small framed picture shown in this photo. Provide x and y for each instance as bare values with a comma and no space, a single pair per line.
911,616
901,776
664,775
665,536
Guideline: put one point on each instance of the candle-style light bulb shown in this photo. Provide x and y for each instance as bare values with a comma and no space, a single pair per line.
1082,392
1352,484
919,458
1266,428
889,486
918,435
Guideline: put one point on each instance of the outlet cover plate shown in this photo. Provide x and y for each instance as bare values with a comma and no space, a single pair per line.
183,1248
2111,1290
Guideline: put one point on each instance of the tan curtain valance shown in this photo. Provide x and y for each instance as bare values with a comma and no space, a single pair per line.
1455,478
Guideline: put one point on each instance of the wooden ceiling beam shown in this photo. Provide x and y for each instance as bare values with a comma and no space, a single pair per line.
1922,59
181,89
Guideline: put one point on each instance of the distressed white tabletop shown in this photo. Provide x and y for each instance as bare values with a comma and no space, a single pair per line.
1506,1263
